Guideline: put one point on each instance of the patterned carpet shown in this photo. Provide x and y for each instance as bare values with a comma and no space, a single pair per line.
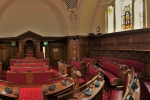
31,94
107,90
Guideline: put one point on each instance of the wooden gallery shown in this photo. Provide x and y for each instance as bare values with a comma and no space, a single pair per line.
74,50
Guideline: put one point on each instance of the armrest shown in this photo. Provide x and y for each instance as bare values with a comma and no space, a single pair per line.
120,87
147,79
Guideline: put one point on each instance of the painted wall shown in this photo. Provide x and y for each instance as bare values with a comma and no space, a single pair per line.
51,18
32,15
148,13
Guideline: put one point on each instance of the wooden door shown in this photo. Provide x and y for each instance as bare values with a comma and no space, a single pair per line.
57,52
4,57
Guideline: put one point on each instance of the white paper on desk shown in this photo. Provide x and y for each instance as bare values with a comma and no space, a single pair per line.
137,90
4,92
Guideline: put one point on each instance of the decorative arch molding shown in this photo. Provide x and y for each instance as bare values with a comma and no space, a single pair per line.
29,38
4,4
62,14
87,15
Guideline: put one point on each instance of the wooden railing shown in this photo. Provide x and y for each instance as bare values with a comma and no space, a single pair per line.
81,94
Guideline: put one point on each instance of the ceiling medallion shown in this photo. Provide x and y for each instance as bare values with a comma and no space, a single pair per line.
72,6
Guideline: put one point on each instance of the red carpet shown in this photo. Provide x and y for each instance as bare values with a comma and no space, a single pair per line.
31,94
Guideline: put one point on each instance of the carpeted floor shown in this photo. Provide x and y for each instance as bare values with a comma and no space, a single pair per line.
107,87
31,94
144,93
107,90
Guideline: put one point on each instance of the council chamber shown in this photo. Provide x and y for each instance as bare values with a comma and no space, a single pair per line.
74,50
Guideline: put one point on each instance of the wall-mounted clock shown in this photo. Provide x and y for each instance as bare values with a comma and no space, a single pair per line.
97,29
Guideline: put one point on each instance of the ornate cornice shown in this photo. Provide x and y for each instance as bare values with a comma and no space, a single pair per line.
29,34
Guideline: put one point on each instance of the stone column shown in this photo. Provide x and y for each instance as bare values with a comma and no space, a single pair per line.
144,13
133,1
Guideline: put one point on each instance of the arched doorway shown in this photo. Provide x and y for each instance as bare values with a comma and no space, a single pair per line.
29,48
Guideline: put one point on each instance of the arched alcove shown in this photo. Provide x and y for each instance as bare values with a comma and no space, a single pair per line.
29,48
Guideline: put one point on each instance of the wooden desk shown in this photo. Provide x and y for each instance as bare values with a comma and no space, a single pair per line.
96,93
59,86
136,94
29,78
12,95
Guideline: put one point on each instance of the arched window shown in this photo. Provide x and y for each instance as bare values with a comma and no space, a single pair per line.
126,14
118,15
110,10
123,15
138,14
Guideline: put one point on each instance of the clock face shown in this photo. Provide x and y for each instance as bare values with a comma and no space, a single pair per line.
97,29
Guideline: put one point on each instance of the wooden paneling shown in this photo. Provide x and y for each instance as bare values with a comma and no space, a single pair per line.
3,54
13,52
141,40
57,52
123,40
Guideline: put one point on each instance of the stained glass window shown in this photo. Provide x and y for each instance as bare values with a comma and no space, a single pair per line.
126,14
123,15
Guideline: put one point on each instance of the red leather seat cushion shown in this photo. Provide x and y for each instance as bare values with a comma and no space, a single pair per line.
112,68
116,95
81,81
110,76
75,64
87,77
147,86
92,70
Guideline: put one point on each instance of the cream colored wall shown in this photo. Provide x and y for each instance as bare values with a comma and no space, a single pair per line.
99,17
51,18
148,13
32,15
87,16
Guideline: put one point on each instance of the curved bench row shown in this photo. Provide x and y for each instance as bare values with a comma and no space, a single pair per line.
138,66
91,92
130,90
113,71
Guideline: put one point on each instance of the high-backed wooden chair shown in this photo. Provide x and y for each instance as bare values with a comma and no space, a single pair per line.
29,53
19,55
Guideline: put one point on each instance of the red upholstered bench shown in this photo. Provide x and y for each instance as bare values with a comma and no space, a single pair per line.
129,89
82,78
113,72
147,86
87,60
118,94
138,66
92,70
79,65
